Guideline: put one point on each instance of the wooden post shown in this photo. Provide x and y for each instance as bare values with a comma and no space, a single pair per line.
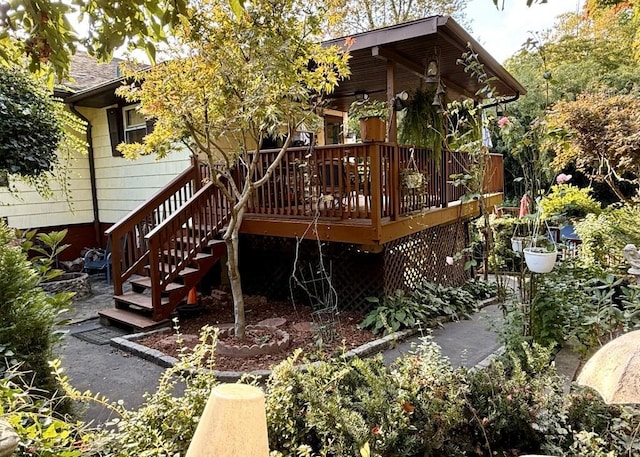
233,424
391,93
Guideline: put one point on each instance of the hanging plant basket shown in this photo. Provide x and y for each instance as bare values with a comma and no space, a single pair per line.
518,243
539,260
413,179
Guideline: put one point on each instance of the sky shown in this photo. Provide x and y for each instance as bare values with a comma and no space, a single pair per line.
502,32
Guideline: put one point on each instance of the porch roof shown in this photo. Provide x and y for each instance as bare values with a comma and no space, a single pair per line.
411,46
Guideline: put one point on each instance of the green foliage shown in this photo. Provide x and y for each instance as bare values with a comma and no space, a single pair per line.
341,407
480,289
552,308
43,33
38,137
28,316
368,108
422,124
421,406
517,403
605,235
363,109
502,257
438,397
422,306
29,128
165,423
568,201
31,413
613,308
399,311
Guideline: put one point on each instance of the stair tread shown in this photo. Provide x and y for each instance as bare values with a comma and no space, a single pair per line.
131,318
145,282
140,300
183,272
199,255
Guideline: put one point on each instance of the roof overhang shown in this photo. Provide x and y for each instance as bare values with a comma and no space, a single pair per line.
98,96
411,46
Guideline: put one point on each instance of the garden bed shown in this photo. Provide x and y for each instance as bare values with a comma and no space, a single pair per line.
299,325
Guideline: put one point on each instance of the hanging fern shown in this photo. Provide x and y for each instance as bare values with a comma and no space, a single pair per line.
423,125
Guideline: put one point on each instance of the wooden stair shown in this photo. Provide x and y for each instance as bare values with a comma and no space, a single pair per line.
164,247
134,309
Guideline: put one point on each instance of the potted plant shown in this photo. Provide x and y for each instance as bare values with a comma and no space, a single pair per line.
412,178
372,116
422,124
521,237
541,256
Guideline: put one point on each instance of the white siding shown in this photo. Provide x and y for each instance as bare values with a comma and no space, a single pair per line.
124,184
30,210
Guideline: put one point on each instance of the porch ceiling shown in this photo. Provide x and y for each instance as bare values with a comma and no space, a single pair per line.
412,46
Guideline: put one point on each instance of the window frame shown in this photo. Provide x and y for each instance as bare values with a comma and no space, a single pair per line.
118,131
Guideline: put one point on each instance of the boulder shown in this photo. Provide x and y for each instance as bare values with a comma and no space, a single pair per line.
9,439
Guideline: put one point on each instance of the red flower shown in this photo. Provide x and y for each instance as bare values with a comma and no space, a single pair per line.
376,430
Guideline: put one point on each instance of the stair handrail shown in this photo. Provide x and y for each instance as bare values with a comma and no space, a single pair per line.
191,228
129,254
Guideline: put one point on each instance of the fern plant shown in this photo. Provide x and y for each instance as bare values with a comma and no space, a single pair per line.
422,124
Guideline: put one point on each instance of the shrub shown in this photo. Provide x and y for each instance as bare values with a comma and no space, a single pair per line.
28,316
566,200
164,425
605,235
516,404
421,307
342,407
31,414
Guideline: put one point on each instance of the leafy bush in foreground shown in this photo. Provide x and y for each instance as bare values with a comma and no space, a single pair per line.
420,406
28,315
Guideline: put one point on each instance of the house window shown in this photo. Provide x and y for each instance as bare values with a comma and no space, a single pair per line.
135,125
127,125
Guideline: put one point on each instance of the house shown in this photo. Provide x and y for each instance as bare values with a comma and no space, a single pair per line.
104,185
376,234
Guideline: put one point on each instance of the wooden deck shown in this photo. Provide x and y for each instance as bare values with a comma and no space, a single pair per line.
356,193
345,193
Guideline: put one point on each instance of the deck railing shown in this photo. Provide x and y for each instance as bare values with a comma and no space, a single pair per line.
175,244
361,181
129,247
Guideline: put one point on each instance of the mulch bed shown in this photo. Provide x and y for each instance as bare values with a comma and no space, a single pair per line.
299,325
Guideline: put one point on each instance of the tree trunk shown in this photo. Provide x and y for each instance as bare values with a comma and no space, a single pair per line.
231,241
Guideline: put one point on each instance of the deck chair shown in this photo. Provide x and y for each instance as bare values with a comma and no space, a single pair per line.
99,260
330,176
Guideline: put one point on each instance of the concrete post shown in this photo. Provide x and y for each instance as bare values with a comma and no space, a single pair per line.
233,424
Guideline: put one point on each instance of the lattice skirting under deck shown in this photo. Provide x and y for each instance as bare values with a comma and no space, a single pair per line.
266,265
